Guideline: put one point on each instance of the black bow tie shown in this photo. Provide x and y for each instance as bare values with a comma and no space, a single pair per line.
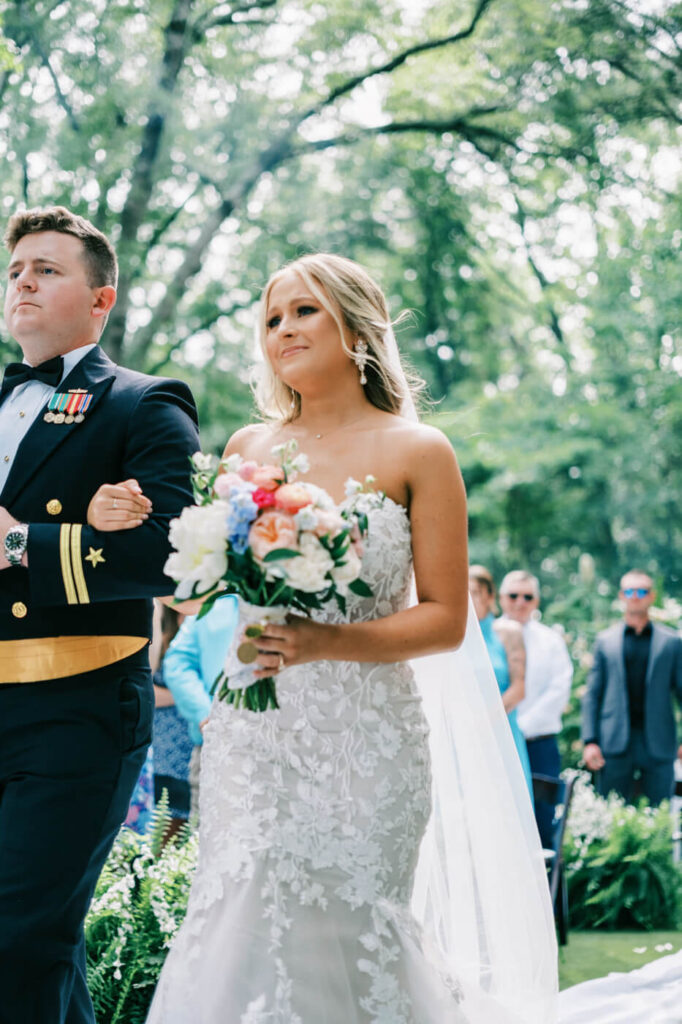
49,372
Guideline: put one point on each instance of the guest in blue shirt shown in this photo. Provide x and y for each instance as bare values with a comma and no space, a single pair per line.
504,640
193,660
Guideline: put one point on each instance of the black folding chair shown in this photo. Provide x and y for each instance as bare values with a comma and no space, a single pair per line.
676,811
558,792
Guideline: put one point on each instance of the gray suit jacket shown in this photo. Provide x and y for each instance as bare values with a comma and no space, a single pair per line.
605,711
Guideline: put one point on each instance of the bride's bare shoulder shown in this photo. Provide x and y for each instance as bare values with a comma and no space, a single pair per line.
248,441
421,439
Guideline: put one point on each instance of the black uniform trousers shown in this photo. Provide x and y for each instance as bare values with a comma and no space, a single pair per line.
71,751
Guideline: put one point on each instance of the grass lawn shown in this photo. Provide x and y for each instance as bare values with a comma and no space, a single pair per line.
595,954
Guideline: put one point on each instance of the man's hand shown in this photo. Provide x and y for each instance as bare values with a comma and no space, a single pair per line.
6,523
593,757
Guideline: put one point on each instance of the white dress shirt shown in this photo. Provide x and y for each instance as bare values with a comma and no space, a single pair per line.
549,672
21,407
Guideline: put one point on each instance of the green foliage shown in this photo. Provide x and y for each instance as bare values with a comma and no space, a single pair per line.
139,903
619,864
508,171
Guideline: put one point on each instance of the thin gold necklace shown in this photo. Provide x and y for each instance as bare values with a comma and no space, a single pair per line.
339,426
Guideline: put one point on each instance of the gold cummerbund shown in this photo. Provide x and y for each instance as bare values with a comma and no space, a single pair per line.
53,657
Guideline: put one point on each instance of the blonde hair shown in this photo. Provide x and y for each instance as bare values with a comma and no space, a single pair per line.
358,307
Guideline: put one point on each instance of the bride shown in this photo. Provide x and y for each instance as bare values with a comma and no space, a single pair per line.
302,910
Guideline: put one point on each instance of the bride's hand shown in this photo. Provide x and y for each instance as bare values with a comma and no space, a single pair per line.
299,641
120,506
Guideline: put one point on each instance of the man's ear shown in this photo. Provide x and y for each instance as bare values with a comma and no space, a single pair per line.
103,300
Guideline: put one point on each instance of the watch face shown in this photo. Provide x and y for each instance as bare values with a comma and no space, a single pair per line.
15,540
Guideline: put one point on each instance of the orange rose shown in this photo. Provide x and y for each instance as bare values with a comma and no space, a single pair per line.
267,477
292,497
272,530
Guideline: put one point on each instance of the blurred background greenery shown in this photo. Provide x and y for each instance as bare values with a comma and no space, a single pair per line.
508,169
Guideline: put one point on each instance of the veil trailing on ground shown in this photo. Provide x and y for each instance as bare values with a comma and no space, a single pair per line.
481,889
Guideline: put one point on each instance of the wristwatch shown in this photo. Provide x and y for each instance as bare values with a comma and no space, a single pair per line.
16,540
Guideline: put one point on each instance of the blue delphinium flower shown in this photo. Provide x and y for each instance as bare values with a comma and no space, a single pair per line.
243,511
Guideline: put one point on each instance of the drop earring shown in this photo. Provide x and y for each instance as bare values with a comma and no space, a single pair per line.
360,358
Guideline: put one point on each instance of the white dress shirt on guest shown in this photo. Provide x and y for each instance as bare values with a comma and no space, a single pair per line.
21,408
549,672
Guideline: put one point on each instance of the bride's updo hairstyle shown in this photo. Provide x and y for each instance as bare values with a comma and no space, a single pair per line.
358,306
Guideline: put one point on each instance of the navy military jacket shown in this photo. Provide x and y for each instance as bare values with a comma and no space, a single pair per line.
81,582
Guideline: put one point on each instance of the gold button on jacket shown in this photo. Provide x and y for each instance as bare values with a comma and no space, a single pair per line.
54,506
19,609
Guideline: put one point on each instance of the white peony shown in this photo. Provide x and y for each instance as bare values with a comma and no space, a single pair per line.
200,558
309,571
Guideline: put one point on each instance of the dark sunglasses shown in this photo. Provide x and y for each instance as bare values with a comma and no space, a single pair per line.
639,591
526,597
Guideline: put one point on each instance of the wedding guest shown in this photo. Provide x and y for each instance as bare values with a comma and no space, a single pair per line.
75,602
549,672
170,736
193,661
629,727
504,640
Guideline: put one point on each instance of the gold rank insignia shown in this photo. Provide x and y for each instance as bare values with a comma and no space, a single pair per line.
95,557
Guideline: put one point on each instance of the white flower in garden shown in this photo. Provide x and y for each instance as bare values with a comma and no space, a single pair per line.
309,571
353,487
200,559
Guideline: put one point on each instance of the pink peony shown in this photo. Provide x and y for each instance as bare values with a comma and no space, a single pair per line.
271,530
292,497
267,477
224,482
247,469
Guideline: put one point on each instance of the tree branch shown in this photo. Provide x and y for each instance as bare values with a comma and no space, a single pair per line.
554,323
395,62
207,322
176,37
282,150
204,23
61,98
458,124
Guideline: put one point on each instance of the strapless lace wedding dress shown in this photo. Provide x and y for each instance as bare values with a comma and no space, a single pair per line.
311,823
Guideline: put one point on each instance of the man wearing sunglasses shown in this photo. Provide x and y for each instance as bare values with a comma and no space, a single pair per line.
549,672
628,721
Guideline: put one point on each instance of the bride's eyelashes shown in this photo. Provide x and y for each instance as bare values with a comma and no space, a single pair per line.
275,320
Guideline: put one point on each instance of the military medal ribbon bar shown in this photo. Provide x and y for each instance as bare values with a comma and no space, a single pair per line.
67,407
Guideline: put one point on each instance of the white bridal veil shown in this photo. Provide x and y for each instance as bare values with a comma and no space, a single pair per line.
481,889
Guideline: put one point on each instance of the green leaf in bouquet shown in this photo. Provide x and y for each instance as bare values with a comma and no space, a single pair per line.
360,588
280,553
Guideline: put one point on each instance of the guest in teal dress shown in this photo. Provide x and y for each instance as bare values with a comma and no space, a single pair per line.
504,640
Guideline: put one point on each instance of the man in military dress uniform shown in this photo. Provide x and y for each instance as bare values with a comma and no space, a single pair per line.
75,604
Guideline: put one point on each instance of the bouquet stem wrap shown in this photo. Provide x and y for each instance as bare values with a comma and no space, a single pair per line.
237,684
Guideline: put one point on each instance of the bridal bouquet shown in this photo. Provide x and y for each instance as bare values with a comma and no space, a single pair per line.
277,542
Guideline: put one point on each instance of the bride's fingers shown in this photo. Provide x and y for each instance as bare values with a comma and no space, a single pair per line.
117,507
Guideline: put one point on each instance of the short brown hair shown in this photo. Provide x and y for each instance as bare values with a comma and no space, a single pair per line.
99,256
483,576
